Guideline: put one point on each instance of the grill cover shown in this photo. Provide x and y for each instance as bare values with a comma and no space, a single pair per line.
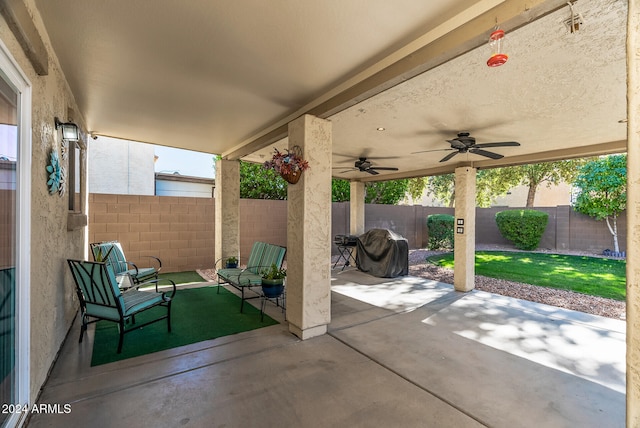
383,253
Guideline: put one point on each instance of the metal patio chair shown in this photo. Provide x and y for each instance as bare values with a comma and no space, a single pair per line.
101,298
112,253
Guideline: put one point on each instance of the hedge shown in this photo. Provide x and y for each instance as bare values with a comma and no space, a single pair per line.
522,227
440,231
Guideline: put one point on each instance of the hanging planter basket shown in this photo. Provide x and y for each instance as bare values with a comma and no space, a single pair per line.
292,177
289,164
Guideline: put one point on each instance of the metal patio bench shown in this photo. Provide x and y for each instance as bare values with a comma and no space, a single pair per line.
261,257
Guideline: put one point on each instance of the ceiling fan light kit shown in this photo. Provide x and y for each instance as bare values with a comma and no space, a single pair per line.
498,57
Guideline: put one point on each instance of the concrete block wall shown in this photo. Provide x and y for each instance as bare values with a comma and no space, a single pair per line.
408,221
487,230
262,220
566,230
590,235
178,230
563,227
397,218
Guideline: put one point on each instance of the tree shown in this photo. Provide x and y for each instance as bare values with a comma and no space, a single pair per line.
416,187
491,183
488,188
533,175
379,192
256,182
603,191
385,192
340,190
442,188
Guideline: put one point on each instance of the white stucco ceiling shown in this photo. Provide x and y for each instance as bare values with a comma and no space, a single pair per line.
217,76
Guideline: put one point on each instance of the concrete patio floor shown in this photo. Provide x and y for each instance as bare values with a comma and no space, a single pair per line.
403,352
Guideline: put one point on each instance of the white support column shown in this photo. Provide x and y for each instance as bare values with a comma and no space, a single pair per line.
309,231
227,209
633,215
356,208
465,229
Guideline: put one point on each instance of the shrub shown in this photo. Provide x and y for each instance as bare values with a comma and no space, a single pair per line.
440,231
522,227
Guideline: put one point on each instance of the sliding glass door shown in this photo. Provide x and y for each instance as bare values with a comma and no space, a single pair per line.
8,161
15,185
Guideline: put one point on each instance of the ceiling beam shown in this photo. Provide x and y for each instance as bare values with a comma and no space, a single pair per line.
459,35
19,20
610,148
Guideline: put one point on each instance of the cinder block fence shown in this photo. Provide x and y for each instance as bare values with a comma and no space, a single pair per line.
180,230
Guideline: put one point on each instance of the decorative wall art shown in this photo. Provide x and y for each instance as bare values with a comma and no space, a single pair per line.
57,174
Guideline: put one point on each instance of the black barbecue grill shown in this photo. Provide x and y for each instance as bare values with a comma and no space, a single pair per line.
345,243
346,240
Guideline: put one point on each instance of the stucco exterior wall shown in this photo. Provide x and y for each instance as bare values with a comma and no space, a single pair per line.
53,300
121,167
551,196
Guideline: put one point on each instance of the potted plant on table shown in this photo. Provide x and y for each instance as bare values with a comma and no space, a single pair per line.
288,164
232,262
273,281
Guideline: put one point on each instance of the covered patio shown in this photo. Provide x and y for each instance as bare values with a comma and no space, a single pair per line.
399,352
392,82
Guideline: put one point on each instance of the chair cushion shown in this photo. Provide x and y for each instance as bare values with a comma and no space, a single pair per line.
255,256
272,254
142,272
115,256
104,312
136,301
239,277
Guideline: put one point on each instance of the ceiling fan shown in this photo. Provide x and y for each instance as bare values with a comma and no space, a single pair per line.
464,143
363,165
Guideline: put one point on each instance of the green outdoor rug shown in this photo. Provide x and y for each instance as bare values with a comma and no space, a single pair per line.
197,314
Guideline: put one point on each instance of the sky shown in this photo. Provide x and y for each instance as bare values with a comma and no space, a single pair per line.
195,164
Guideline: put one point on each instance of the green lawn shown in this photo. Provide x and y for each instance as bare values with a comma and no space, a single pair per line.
587,275
182,277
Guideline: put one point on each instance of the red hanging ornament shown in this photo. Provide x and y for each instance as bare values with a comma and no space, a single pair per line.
498,57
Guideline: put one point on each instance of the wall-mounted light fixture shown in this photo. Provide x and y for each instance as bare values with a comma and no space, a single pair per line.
69,130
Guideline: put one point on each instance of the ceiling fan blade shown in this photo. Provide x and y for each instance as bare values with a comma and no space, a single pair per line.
384,168
348,170
435,150
371,171
364,155
500,144
486,153
449,156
